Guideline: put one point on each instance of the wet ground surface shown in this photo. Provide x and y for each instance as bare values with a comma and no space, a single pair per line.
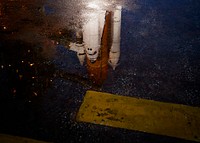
43,84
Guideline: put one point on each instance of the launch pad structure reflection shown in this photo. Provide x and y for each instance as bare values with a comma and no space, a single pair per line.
99,43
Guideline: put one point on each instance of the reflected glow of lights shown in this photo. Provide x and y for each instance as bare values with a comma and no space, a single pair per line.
4,27
14,91
32,64
2,66
97,5
35,94
22,61
20,77
93,5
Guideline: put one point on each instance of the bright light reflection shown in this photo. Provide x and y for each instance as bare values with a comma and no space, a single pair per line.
32,64
93,5
97,5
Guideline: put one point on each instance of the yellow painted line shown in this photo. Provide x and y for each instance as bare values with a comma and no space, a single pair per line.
155,117
4,138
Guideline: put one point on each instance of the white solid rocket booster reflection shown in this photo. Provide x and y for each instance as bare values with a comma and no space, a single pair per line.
115,48
91,37
79,47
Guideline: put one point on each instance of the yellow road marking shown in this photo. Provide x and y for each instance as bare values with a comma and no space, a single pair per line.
155,117
4,138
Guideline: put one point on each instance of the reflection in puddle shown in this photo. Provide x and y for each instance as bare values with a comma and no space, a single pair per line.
155,47
159,52
99,42
35,22
23,71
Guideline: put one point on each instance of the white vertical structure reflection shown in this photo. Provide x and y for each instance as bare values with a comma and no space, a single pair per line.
115,48
79,47
91,37
89,41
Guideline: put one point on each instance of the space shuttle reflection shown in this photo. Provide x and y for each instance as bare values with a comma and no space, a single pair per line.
99,43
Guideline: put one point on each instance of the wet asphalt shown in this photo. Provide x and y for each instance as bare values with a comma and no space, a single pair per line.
159,61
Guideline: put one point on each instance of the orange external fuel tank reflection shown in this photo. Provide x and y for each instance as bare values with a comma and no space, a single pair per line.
98,70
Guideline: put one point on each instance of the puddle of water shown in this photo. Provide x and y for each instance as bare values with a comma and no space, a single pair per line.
150,46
